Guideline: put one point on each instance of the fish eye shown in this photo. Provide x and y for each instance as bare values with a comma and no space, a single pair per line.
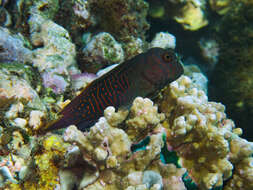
167,57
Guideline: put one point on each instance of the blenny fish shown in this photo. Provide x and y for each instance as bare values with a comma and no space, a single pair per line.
144,75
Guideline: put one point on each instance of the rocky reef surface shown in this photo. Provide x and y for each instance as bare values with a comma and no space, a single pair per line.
51,49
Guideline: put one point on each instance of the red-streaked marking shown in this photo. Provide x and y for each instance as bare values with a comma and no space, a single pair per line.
110,85
115,97
122,83
113,89
107,104
92,106
88,109
107,91
98,97
119,83
127,82
95,99
157,68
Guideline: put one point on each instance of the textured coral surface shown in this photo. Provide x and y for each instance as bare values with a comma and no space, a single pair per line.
50,50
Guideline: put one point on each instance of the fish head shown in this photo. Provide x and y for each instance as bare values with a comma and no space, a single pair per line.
162,66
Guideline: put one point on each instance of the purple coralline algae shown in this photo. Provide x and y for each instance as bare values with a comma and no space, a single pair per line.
13,47
56,59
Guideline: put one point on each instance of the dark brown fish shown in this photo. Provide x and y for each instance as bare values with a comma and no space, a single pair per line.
144,75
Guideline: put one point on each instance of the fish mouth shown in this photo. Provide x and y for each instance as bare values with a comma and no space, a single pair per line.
180,70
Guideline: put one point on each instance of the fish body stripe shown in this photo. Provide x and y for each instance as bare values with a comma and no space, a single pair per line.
98,98
96,102
109,92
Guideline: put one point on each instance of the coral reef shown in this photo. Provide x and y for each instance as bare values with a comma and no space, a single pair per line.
56,59
242,178
189,13
102,49
204,139
106,153
13,47
107,147
207,144
122,19
199,80
164,40
188,144
231,82
14,88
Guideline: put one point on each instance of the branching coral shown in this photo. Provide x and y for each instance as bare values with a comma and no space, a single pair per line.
205,140
107,147
242,178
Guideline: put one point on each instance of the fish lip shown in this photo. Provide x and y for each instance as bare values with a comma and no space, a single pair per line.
179,74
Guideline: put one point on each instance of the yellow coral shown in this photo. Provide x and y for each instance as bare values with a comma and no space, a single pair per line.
54,142
242,178
47,171
13,186
192,17
201,131
144,116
